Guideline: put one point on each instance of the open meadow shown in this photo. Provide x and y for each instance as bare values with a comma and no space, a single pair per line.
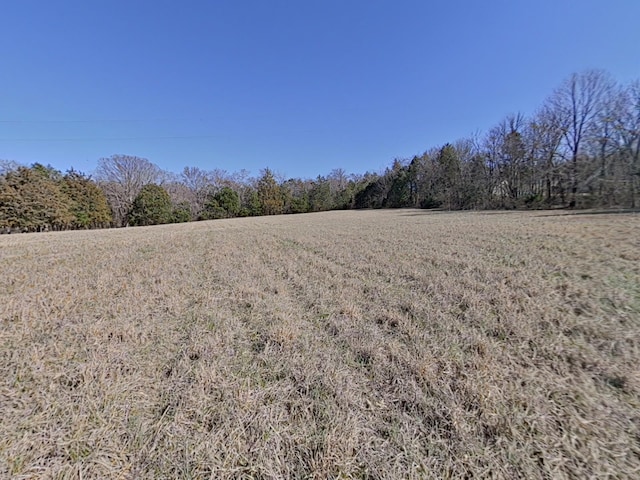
354,344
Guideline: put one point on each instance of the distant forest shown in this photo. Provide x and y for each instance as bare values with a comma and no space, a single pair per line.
581,149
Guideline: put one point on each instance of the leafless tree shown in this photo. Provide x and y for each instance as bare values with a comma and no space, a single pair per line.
546,133
194,178
578,102
198,184
628,126
505,153
605,146
338,180
121,178
8,166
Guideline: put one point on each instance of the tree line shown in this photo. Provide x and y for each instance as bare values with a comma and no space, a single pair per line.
580,149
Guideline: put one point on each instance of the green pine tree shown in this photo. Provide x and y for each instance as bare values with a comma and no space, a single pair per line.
152,206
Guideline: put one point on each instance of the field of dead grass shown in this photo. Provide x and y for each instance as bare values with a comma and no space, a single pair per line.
371,344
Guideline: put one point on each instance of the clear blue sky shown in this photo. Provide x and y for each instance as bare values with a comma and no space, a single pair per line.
299,86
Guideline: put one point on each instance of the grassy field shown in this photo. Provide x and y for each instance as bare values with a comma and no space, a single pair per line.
371,344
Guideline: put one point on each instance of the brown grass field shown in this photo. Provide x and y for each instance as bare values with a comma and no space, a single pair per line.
356,344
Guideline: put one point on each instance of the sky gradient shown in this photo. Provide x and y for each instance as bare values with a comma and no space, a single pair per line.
300,87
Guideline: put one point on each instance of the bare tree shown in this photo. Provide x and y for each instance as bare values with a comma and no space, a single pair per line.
546,133
578,103
8,166
198,184
177,190
194,178
243,183
219,179
505,152
122,177
605,147
628,126
338,180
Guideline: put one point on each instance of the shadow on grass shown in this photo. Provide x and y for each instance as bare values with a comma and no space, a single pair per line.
418,212
616,211
541,213
439,211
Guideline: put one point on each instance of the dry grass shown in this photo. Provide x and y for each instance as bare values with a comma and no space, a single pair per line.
387,344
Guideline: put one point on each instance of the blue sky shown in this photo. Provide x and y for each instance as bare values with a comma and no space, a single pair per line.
302,87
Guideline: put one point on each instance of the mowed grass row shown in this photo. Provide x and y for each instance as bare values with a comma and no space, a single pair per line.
373,344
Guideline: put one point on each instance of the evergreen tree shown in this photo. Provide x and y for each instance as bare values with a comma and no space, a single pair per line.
152,206
373,193
229,201
223,204
250,206
88,202
295,193
449,176
181,213
320,195
269,194
399,192
30,199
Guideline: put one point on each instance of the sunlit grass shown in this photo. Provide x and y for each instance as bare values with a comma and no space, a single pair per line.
374,344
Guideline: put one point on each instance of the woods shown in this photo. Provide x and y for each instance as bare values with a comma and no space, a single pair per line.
580,149
40,198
